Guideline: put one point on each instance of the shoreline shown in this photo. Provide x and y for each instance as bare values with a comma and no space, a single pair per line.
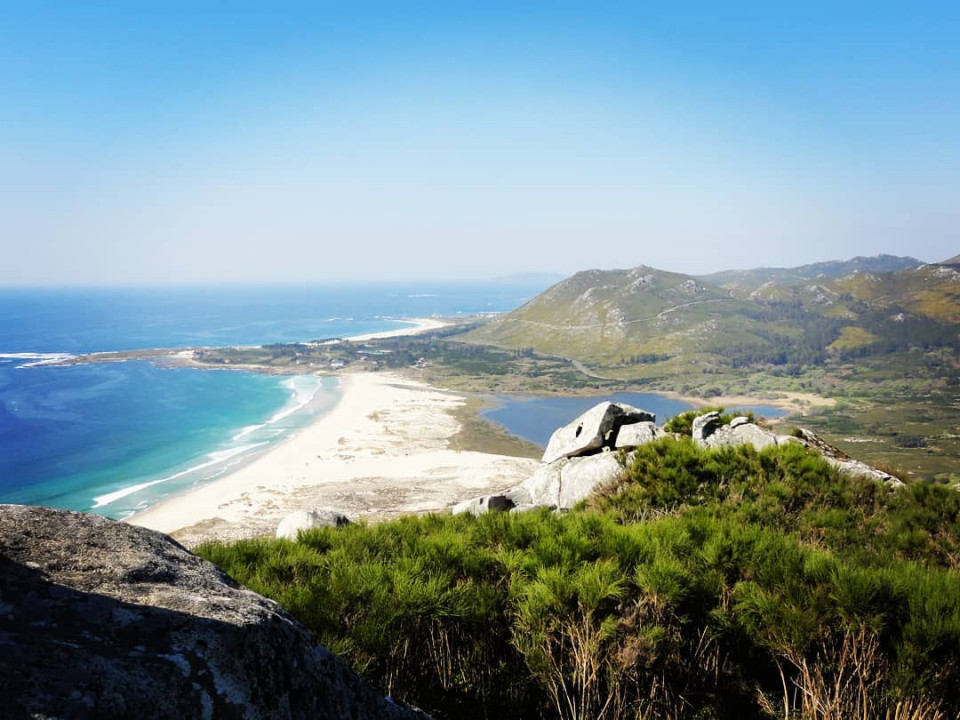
420,325
184,356
381,451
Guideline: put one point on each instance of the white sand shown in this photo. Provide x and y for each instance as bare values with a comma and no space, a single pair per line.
381,452
419,325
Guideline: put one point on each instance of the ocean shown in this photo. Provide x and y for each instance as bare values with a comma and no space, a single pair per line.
115,438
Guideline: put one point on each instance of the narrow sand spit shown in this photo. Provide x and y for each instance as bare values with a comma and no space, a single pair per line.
381,452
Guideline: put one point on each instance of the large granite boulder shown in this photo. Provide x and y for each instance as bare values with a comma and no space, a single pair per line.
637,434
293,523
593,430
743,433
100,619
581,476
564,483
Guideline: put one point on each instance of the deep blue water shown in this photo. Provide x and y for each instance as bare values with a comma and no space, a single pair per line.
85,320
116,437
534,418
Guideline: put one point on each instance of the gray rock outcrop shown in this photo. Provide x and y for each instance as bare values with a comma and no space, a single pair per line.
581,476
293,523
100,619
575,464
745,433
704,426
637,434
593,430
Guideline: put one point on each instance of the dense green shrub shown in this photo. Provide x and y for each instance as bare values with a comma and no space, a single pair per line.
682,423
712,583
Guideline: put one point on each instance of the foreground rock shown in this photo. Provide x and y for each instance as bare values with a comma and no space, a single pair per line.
593,430
100,619
290,527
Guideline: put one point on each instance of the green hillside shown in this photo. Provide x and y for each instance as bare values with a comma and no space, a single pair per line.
645,322
598,315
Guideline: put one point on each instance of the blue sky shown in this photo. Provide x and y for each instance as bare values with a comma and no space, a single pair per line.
238,142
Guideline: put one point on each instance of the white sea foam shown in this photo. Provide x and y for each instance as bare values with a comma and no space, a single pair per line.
218,456
247,430
300,397
37,358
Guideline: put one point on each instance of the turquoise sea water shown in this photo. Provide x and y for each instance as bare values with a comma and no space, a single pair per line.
117,437
534,418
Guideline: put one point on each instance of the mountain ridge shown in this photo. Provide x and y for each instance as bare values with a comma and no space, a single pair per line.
601,316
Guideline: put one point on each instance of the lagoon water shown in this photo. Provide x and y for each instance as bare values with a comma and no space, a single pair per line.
534,418
116,437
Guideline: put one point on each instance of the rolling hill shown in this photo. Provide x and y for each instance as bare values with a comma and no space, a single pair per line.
618,319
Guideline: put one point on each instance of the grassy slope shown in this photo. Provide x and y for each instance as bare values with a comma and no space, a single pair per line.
721,584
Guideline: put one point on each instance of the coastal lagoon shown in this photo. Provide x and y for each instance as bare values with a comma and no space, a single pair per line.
115,438
534,418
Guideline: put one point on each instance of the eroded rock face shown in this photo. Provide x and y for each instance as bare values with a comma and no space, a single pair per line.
293,523
100,619
593,430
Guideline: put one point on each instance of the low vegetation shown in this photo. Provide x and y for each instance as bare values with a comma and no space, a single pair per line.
721,583
682,423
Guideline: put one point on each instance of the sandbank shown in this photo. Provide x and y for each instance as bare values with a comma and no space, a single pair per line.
382,451
792,402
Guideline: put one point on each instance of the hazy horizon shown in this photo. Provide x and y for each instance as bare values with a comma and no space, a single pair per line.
378,142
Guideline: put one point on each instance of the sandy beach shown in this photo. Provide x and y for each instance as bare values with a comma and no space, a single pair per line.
417,326
381,452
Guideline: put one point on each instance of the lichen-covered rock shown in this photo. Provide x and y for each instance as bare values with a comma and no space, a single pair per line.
100,619
293,523
593,430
